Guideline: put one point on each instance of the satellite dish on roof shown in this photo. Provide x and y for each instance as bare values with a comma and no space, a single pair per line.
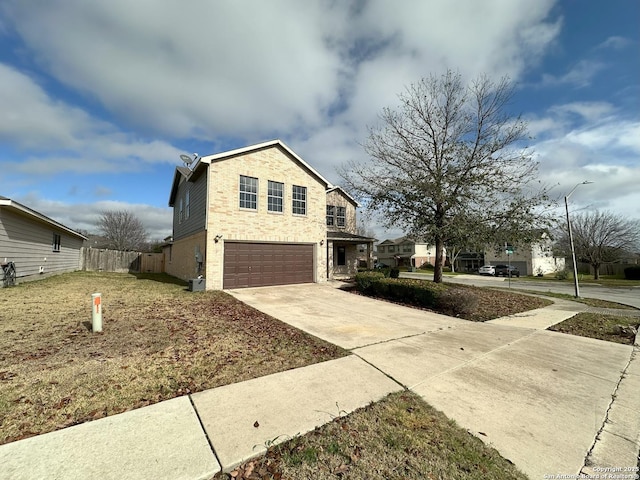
186,159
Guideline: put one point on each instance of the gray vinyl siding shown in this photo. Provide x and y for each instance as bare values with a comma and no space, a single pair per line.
198,207
29,244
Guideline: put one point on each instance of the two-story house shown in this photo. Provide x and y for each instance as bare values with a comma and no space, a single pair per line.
530,259
406,252
256,216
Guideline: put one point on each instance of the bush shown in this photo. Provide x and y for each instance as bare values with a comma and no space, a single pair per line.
562,275
394,272
415,292
456,302
364,280
632,273
426,266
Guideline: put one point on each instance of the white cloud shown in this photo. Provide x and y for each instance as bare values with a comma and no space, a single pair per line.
62,137
265,69
579,75
157,221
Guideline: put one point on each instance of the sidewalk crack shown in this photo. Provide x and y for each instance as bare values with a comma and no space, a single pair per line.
587,459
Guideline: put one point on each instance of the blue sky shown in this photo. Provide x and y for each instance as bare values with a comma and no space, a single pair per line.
99,99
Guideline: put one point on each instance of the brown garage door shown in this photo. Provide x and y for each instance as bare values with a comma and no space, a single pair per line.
260,264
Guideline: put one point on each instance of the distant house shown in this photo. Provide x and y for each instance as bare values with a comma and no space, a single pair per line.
406,252
259,215
36,244
533,259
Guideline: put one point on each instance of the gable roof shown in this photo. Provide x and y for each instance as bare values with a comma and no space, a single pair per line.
206,160
401,240
344,193
24,210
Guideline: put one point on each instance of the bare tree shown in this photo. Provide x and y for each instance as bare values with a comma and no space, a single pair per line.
122,230
447,164
601,237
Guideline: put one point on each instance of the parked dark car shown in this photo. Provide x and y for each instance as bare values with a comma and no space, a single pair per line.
380,265
507,270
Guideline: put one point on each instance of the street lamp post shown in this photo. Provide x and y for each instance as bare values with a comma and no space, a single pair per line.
573,251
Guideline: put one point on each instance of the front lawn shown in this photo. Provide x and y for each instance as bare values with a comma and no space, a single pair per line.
468,302
612,328
159,341
400,437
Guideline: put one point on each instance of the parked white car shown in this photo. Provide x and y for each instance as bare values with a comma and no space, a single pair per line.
487,270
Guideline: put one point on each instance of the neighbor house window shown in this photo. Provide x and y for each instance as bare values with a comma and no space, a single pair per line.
187,201
248,192
56,243
299,200
275,195
331,210
380,249
406,248
341,216
181,211
392,248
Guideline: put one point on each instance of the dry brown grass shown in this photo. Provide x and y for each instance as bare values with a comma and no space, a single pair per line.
159,341
400,437
597,325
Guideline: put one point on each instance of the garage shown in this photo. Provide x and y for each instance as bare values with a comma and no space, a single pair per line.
261,264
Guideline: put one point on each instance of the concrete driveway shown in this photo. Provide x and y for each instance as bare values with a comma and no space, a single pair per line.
545,400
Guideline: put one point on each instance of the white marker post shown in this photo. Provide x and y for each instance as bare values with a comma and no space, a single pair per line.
96,318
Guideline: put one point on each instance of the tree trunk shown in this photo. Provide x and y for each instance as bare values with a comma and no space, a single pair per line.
596,272
437,268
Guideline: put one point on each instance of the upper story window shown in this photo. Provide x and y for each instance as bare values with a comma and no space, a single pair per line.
187,202
380,248
181,211
299,200
392,248
55,245
248,192
275,195
406,247
341,216
331,211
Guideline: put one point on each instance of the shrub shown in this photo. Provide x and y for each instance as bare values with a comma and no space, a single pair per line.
426,266
364,280
415,292
456,302
632,273
562,275
394,272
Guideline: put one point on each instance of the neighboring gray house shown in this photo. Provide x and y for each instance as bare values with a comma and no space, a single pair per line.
36,244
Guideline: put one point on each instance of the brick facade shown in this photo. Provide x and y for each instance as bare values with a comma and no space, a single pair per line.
232,223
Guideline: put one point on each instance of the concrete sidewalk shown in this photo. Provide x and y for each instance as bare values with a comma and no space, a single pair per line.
193,438
546,400
549,402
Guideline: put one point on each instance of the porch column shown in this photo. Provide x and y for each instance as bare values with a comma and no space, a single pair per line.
369,255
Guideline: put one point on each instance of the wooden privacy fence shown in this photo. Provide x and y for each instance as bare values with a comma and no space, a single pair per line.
101,260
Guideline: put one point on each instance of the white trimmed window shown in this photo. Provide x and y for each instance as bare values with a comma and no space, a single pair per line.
275,196
248,192
341,216
187,202
299,200
331,209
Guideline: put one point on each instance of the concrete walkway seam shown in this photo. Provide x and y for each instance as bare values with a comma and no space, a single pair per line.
206,435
